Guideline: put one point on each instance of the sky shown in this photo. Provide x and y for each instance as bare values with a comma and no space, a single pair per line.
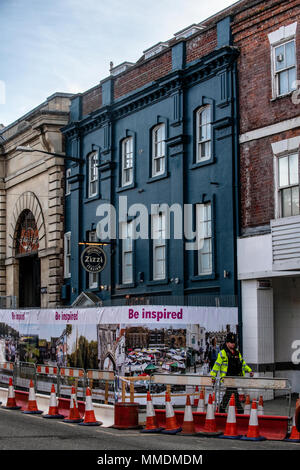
67,45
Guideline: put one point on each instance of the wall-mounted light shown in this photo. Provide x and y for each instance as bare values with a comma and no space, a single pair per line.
29,149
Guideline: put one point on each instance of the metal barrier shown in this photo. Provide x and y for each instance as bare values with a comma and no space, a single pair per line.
179,386
102,385
255,387
127,385
6,372
71,377
45,377
23,373
134,389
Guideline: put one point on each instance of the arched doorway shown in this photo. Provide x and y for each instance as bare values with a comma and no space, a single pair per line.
27,245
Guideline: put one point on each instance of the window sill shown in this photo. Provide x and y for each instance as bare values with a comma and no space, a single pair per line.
200,164
125,188
203,277
92,198
279,97
152,179
93,289
129,285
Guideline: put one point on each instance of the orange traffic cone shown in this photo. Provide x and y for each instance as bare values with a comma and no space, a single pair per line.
196,398
253,428
171,422
210,427
151,422
89,416
74,416
11,399
260,409
231,428
295,434
32,408
201,403
53,408
188,427
247,408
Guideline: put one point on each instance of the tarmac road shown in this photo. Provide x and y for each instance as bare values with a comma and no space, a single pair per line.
32,432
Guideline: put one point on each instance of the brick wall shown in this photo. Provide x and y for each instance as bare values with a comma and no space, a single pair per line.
201,45
257,179
91,100
141,75
145,72
257,109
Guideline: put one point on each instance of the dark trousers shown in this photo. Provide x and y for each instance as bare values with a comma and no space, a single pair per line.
226,398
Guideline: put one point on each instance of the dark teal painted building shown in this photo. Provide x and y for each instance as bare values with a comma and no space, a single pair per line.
172,141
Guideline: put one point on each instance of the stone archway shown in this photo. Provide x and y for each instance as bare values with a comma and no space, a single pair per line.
27,201
27,238
109,362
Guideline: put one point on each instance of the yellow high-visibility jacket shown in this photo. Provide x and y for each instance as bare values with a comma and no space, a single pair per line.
221,365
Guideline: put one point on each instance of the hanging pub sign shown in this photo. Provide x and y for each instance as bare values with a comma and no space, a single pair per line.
93,259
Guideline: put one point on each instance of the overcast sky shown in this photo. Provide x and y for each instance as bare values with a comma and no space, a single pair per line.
67,45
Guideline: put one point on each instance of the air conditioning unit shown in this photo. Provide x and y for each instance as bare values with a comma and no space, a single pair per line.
280,58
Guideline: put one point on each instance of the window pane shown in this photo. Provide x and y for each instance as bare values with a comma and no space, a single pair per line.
295,200
286,203
204,233
205,263
292,79
280,62
204,133
283,82
158,156
283,171
293,170
290,54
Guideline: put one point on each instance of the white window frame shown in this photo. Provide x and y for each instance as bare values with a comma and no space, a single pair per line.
93,278
280,149
93,174
127,161
207,139
127,251
290,185
204,234
159,149
68,186
278,38
67,255
159,245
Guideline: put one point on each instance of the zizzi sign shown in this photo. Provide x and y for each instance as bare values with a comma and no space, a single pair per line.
93,259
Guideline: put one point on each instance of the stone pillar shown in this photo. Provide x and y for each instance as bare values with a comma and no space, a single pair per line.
55,233
2,239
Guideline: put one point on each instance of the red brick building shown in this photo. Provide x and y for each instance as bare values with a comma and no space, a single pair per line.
268,37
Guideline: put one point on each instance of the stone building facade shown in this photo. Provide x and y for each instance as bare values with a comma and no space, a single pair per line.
32,206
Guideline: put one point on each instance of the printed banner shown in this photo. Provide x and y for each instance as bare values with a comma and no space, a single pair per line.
131,340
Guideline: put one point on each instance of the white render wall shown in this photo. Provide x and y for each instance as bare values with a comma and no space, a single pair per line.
254,256
271,317
258,324
287,320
